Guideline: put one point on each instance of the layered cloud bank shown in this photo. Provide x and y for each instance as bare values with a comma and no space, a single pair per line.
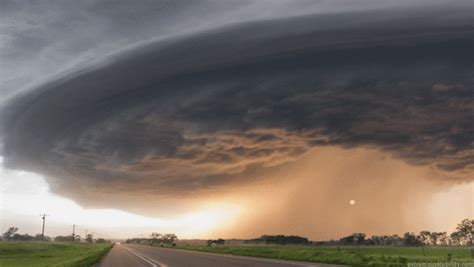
227,106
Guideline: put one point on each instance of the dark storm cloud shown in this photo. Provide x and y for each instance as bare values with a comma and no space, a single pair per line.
221,106
41,39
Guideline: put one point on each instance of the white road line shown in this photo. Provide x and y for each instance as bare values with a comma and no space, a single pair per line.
153,263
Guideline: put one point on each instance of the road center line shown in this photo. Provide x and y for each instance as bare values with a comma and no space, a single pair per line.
153,263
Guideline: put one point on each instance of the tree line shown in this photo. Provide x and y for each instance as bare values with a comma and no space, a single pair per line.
280,240
462,236
12,235
155,239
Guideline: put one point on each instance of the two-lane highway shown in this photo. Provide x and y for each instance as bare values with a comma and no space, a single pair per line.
144,256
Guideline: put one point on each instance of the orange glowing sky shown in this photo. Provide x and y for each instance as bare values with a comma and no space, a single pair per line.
311,198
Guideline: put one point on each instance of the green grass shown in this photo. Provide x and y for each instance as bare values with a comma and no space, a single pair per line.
51,254
354,256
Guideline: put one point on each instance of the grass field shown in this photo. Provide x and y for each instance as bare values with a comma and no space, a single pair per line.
51,254
354,256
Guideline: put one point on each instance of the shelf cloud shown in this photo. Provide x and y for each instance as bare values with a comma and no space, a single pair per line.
224,106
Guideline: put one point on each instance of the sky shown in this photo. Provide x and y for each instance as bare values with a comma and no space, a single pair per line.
207,118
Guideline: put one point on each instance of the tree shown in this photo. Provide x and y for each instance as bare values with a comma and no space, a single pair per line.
410,239
156,235
354,239
359,238
465,231
455,238
169,238
9,233
156,238
384,240
438,237
19,237
219,241
425,237
443,238
89,238
40,237
280,239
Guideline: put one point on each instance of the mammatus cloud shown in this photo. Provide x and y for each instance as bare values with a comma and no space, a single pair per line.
224,106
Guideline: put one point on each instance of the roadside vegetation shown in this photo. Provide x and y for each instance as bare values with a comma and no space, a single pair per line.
40,251
345,255
356,249
39,254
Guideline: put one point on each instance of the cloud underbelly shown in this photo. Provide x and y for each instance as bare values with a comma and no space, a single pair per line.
219,107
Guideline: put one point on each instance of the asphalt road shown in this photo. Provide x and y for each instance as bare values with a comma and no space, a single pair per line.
144,256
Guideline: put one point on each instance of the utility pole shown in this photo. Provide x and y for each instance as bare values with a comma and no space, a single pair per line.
73,233
85,236
44,220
